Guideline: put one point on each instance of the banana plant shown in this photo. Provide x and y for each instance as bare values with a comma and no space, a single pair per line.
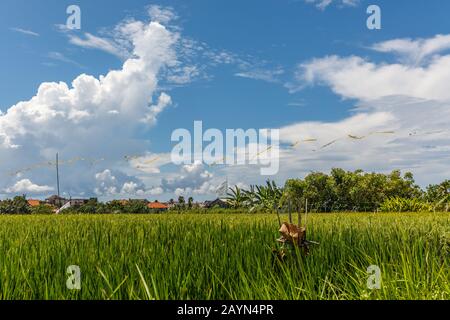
264,198
236,197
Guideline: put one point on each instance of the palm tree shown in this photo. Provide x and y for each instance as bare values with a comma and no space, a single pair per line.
181,202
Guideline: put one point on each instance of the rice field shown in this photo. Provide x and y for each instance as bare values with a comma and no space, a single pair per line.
227,257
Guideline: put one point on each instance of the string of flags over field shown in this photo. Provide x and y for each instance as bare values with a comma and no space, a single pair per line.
141,165
356,137
90,161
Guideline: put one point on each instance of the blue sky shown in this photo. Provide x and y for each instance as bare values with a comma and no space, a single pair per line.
249,59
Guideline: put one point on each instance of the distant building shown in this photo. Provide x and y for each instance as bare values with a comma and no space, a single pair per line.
59,201
34,203
56,201
78,202
158,206
218,203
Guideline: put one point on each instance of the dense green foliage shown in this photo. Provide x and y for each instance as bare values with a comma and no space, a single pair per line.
339,191
18,205
344,191
406,205
42,209
223,257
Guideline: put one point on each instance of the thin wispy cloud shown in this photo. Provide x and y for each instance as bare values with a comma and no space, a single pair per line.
297,104
262,74
26,32
323,4
58,56
415,51
161,14
91,41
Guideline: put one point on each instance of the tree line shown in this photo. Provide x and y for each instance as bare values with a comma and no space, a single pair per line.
338,191
344,191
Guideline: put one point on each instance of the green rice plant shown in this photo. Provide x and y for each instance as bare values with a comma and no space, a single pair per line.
217,256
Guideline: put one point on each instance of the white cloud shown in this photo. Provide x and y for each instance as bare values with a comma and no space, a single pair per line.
400,120
26,32
357,78
157,191
164,101
183,75
61,57
91,117
26,186
128,91
193,179
415,51
130,188
149,163
94,42
161,14
262,74
383,135
116,183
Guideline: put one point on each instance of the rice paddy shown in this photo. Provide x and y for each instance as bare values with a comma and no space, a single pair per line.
195,256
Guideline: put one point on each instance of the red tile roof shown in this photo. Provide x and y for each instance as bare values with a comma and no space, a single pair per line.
34,203
157,205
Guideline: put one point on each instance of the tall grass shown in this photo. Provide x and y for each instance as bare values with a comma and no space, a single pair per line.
223,257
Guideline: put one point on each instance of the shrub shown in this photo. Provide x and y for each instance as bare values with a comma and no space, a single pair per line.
406,205
18,205
42,209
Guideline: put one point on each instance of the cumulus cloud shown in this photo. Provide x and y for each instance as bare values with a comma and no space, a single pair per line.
400,120
193,179
104,117
26,186
78,119
164,101
115,183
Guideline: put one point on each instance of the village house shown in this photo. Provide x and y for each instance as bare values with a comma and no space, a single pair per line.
34,203
56,201
60,201
78,202
158,206
218,203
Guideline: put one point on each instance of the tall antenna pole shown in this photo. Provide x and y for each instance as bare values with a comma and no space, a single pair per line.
306,211
57,176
